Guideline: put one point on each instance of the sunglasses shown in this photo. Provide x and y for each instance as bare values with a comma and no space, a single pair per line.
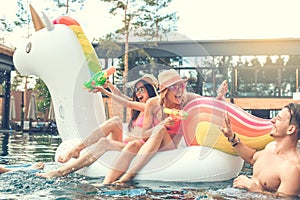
139,89
176,87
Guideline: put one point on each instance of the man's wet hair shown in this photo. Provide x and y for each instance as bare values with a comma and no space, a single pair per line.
294,110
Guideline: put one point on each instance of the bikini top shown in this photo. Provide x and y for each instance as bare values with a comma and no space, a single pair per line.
139,121
173,130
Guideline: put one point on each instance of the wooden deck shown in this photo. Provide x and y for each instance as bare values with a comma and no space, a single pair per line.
263,103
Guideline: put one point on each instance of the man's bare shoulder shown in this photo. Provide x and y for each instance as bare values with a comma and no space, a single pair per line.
293,159
267,151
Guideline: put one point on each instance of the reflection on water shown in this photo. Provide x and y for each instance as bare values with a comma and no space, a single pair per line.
18,148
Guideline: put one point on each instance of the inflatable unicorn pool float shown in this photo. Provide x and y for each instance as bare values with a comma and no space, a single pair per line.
61,55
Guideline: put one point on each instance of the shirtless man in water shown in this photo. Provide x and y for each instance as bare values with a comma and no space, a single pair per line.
276,169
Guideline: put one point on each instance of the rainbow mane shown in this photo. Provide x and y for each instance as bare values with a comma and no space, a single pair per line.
206,118
89,52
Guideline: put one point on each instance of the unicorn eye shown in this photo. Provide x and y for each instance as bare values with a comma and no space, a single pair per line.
28,47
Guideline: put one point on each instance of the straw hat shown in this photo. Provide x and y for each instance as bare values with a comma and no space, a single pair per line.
168,78
147,77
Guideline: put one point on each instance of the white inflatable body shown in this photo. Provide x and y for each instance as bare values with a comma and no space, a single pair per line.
56,56
185,164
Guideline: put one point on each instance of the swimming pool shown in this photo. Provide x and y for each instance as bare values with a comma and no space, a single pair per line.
22,149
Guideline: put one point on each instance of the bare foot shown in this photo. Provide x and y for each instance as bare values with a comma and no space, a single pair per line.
3,170
50,174
118,182
39,165
125,178
73,153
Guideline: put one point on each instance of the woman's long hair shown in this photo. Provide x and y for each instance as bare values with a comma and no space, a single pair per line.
152,92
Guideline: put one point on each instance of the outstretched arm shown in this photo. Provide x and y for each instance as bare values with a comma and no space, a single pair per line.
121,99
115,90
247,153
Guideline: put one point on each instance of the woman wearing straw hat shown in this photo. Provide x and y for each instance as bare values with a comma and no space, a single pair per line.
108,135
165,131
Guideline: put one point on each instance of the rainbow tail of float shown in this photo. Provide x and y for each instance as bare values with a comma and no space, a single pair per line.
206,118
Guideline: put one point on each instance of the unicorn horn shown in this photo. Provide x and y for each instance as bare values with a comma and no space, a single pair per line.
37,21
48,23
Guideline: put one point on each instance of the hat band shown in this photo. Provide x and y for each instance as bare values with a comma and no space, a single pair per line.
169,82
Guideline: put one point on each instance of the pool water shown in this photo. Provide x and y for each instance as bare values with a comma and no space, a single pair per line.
23,149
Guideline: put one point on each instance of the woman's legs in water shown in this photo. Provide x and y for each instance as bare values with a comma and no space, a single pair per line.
159,139
89,157
123,161
111,127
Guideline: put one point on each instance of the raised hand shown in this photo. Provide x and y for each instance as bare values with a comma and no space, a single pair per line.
227,130
95,88
222,90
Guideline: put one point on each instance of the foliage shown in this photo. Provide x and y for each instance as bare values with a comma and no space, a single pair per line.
43,96
146,19
17,81
155,20
70,5
111,47
22,15
5,25
128,10
23,19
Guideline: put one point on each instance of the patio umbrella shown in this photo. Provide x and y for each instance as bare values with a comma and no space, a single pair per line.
32,110
12,108
51,115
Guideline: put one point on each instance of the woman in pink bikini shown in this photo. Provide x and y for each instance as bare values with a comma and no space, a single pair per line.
108,135
165,131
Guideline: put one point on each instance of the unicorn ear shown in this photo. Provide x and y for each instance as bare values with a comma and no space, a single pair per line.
48,22
37,21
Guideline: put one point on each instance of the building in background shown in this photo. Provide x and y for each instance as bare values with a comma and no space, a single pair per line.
6,66
263,74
